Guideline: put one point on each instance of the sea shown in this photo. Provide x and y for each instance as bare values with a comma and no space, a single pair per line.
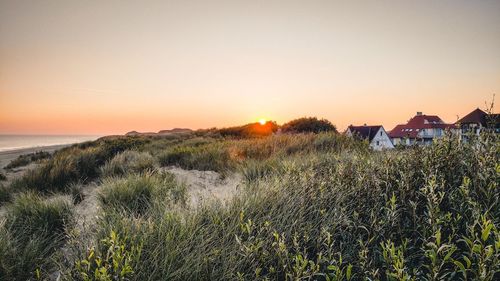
15,142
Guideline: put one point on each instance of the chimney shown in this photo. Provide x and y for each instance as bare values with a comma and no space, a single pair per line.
364,125
419,113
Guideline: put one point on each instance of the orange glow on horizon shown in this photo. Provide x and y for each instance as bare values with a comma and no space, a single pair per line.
89,69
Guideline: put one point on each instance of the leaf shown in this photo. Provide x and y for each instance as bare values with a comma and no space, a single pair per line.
349,271
467,260
460,265
485,233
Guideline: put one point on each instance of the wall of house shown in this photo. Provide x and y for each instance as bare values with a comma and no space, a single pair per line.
431,133
381,140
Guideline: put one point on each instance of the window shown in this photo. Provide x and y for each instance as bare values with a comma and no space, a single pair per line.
380,133
378,143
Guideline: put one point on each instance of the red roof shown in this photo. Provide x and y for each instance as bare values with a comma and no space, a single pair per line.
417,123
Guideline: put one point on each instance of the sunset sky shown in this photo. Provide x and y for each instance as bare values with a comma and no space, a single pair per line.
108,67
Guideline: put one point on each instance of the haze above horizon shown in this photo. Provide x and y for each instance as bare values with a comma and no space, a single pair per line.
108,67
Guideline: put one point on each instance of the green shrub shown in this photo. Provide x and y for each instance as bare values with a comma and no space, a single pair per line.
128,162
26,159
2,177
112,260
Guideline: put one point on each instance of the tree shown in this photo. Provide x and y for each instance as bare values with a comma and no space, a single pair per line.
308,125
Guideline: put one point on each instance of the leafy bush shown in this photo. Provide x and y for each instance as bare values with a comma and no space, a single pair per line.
113,260
308,125
26,159
128,162
2,177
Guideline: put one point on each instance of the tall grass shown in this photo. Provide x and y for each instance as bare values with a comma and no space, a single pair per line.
78,163
228,155
128,162
424,213
5,194
313,207
136,194
205,157
33,229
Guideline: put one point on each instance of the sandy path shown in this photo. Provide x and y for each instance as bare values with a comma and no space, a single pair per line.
207,185
87,210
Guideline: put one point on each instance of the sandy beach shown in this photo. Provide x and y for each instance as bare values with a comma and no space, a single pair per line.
7,156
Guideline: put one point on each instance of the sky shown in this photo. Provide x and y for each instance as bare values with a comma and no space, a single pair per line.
108,67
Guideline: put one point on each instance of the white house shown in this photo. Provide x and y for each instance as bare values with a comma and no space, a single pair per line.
376,135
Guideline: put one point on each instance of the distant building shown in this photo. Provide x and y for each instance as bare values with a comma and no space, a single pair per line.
421,129
477,121
376,135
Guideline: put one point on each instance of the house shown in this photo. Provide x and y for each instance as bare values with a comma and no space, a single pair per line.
477,121
421,129
376,135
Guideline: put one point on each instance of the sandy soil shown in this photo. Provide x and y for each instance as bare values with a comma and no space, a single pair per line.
207,185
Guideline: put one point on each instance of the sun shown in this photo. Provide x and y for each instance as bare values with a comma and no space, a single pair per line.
262,121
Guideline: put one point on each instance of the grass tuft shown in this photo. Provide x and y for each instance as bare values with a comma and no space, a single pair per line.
34,228
136,193
128,162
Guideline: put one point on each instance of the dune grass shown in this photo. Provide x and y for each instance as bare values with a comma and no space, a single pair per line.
313,207
78,163
137,193
33,230
5,194
425,213
128,162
